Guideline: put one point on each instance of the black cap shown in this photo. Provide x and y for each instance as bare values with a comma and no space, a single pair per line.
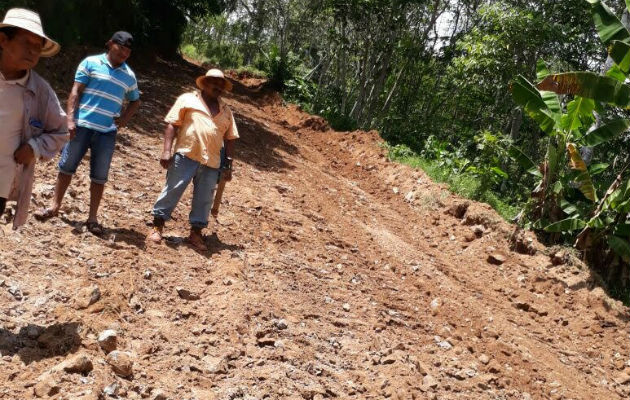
122,38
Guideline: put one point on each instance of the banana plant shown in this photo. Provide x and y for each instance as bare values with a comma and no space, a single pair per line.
570,128
567,130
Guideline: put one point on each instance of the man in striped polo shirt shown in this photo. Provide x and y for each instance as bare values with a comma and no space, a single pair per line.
101,84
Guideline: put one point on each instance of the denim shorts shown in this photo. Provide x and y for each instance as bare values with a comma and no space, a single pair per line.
101,147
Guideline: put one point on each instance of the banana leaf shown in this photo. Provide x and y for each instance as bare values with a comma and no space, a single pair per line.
584,178
616,73
579,107
620,246
606,132
527,96
597,169
620,53
524,161
567,207
550,98
619,196
608,26
589,85
566,225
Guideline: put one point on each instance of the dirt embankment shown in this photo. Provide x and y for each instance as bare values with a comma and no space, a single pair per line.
332,274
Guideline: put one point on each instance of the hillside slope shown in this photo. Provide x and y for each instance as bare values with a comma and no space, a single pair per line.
332,273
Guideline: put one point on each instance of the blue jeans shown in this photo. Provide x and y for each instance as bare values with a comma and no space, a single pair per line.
179,174
101,147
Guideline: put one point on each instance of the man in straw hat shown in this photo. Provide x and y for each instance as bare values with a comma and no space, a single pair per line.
33,122
202,124
101,84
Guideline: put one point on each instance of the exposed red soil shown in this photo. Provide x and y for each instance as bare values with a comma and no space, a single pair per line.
332,273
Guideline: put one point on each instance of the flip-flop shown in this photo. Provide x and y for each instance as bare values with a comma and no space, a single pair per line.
45,214
94,227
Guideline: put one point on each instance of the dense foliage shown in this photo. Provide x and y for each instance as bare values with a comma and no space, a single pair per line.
582,112
156,24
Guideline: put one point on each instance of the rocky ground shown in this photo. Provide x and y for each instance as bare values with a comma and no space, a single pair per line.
332,273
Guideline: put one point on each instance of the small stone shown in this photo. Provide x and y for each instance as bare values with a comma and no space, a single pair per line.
346,307
410,197
445,345
121,363
33,331
494,367
435,306
559,257
395,190
496,258
111,389
158,395
266,342
46,386
87,296
470,237
108,340
16,292
216,365
280,324
147,274
623,379
187,294
484,359
79,364
429,382
478,230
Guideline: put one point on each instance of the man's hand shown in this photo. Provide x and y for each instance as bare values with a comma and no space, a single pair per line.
24,154
72,129
166,160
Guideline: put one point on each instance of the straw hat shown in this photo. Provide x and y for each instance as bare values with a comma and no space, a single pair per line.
30,21
214,73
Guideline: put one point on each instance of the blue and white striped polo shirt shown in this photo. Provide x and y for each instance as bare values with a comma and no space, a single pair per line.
105,89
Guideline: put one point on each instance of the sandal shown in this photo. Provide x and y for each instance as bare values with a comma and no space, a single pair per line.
156,235
94,227
45,214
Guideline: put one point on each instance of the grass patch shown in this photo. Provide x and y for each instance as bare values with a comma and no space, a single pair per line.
190,51
462,184
251,71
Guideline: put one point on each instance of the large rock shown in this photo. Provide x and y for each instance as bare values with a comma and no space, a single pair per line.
496,258
46,386
187,294
79,364
87,296
108,340
121,363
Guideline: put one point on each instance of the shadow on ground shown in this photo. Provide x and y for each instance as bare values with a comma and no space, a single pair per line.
34,343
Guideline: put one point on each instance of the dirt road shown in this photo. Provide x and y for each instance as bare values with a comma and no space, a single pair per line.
332,274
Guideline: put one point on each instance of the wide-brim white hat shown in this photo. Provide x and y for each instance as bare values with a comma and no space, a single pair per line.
215,74
30,21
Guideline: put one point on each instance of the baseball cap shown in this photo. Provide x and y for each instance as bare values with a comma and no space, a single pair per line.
122,38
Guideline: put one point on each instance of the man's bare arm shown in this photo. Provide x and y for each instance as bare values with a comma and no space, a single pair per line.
71,108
